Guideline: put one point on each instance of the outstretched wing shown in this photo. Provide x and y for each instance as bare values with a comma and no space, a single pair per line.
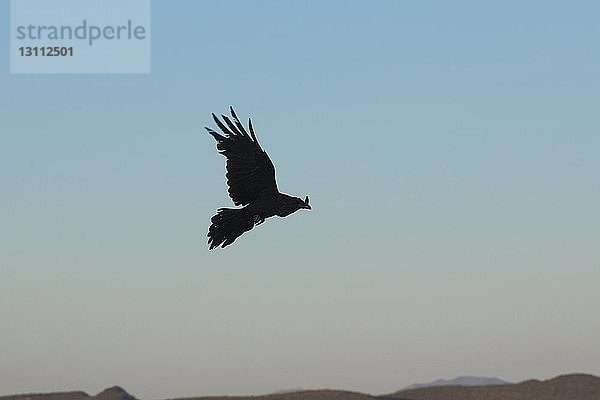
250,172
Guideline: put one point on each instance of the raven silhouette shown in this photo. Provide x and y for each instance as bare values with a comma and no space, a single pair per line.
251,180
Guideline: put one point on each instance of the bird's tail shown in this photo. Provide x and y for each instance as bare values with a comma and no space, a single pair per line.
227,225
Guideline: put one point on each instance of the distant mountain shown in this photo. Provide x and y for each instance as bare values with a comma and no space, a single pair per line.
461,381
113,393
565,387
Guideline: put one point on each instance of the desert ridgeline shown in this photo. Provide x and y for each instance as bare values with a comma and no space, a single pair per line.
564,387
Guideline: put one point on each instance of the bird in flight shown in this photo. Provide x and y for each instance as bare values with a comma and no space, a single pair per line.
251,180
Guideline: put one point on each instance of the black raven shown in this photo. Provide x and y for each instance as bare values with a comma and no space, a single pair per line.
251,180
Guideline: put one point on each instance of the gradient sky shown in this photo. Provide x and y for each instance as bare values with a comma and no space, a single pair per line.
451,151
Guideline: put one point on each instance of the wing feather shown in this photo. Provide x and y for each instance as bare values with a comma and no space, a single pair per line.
250,172
252,132
231,126
221,126
237,122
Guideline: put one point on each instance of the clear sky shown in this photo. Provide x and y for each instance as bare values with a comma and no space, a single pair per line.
451,151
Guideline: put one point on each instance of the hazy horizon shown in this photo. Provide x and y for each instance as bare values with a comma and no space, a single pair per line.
451,155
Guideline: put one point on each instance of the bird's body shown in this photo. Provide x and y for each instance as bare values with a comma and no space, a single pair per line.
251,180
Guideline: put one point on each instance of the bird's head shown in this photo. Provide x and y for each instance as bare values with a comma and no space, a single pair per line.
297,203
305,203
292,204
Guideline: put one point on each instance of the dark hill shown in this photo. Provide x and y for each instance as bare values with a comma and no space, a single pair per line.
565,387
49,396
302,395
113,393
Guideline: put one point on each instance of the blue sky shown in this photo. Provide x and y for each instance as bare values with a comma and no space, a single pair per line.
450,151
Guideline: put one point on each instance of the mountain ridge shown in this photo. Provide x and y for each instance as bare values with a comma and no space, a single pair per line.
464,380
112,393
562,387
